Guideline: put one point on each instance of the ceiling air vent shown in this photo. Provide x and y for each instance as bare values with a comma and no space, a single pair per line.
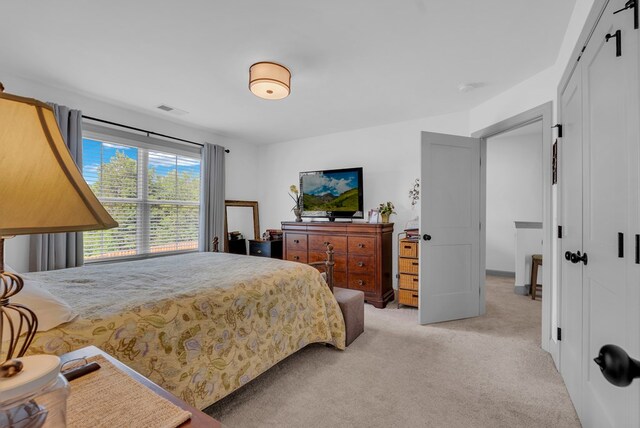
172,110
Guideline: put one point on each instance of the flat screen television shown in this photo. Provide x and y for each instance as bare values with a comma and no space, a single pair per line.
332,193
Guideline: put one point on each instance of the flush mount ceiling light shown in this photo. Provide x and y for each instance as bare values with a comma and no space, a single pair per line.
269,80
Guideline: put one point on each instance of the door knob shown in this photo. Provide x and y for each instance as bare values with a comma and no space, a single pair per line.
426,237
576,257
616,365
581,258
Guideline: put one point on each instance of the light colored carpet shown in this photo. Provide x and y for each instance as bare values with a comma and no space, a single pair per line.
481,372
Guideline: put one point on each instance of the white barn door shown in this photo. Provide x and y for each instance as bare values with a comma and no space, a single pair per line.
600,195
611,139
449,224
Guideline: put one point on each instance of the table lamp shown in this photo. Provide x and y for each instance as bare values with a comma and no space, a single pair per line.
41,191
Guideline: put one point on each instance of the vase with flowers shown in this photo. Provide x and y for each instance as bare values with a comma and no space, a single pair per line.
297,199
385,210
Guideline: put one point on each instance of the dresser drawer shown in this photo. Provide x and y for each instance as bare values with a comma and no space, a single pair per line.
408,249
321,256
362,264
409,298
296,242
361,245
297,256
363,282
408,282
319,243
408,266
271,249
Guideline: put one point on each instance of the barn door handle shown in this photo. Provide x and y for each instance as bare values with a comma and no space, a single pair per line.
620,245
426,237
631,4
617,366
618,36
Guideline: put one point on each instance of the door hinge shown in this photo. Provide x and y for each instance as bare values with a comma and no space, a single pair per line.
559,129
559,333
559,232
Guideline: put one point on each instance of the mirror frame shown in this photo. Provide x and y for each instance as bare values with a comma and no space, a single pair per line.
256,219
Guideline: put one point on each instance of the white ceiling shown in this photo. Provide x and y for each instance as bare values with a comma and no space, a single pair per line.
354,63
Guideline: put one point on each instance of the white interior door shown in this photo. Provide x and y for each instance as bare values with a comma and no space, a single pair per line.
610,98
570,182
450,218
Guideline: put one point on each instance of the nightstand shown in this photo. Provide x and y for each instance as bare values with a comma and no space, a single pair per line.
198,418
271,249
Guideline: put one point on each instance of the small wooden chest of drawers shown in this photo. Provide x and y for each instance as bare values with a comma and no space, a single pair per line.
271,249
408,272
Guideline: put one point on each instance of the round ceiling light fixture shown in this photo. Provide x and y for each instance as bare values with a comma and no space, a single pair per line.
269,80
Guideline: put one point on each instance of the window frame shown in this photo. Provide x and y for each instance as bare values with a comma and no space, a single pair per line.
144,144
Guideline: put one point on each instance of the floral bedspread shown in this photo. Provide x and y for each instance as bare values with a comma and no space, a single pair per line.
200,325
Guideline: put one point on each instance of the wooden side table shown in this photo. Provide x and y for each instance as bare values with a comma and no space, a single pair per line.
198,418
271,249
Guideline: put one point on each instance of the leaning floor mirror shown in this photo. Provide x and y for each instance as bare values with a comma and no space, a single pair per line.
242,222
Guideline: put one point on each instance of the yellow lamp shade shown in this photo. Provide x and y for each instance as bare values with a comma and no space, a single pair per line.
41,188
269,80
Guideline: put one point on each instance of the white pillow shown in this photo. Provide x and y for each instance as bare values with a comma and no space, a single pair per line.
50,310
8,268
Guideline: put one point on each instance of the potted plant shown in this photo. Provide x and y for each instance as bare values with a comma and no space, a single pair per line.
297,198
386,210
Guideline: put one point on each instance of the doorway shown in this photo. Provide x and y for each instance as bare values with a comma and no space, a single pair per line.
514,205
542,116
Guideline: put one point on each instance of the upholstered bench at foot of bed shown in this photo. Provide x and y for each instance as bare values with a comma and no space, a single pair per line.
351,304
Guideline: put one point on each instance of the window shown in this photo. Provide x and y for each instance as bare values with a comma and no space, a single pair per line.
154,195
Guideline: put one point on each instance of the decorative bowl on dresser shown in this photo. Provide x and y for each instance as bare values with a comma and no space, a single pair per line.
362,251
408,268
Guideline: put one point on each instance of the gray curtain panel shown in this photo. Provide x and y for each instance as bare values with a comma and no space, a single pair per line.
212,196
61,250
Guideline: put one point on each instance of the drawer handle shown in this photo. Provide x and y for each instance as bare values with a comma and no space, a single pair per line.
296,257
415,263
296,241
415,279
408,247
360,264
361,245
259,251
414,295
360,282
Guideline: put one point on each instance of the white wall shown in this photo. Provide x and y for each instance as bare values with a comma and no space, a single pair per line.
241,163
538,89
514,191
389,155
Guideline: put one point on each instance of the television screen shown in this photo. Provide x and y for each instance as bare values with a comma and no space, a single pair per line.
332,193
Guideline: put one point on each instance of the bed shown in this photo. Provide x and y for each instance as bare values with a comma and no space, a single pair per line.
200,325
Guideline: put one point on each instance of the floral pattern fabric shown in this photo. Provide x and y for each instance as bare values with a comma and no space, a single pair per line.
200,325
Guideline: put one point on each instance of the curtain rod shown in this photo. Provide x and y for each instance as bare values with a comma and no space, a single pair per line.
95,119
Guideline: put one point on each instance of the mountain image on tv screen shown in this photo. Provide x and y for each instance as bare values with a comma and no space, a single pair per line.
330,191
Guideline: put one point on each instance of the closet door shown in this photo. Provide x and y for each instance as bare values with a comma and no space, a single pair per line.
610,99
570,182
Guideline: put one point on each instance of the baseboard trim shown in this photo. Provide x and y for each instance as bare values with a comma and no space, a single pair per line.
522,289
500,273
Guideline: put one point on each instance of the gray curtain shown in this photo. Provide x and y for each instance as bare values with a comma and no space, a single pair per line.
212,196
61,250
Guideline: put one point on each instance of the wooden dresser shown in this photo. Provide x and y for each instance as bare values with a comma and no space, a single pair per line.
362,254
408,268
